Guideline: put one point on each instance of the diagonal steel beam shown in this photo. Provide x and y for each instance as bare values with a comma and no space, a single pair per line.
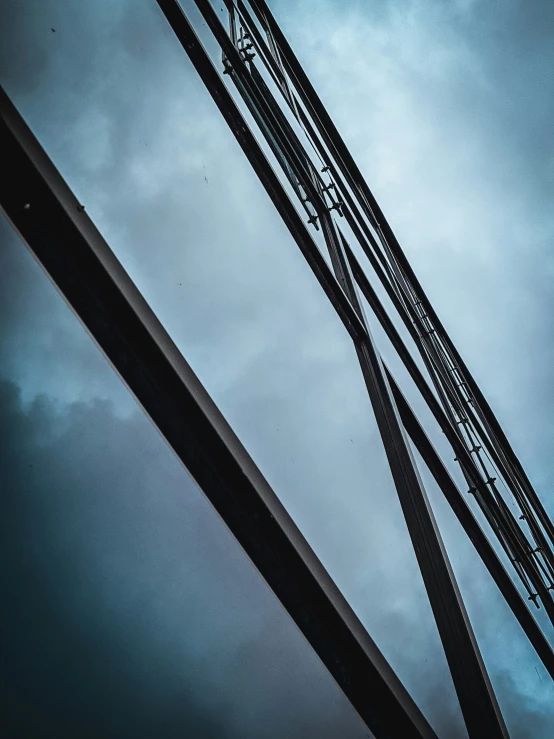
53,224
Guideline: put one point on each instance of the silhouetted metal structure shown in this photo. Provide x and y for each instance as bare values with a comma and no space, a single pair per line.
341,216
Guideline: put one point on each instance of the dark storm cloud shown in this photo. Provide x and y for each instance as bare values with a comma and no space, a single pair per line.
69,662
129,609
113,99
27,72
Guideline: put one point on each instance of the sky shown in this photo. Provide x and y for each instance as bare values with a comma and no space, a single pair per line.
131,611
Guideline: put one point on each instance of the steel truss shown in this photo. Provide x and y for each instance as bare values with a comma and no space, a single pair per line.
264,72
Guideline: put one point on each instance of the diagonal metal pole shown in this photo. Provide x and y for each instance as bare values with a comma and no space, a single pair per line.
475,693
464,515
485,550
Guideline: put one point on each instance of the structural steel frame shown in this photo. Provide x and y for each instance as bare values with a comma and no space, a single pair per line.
55,227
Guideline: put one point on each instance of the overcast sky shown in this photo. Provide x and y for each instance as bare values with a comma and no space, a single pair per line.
131,611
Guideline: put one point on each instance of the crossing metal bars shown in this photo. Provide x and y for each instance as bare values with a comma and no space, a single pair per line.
258,66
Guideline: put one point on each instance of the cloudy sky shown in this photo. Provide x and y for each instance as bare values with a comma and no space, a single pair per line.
131,612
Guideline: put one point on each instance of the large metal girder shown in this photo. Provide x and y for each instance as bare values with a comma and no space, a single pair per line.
55,227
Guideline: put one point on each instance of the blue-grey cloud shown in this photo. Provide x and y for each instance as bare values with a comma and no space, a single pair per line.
424,104
128,609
